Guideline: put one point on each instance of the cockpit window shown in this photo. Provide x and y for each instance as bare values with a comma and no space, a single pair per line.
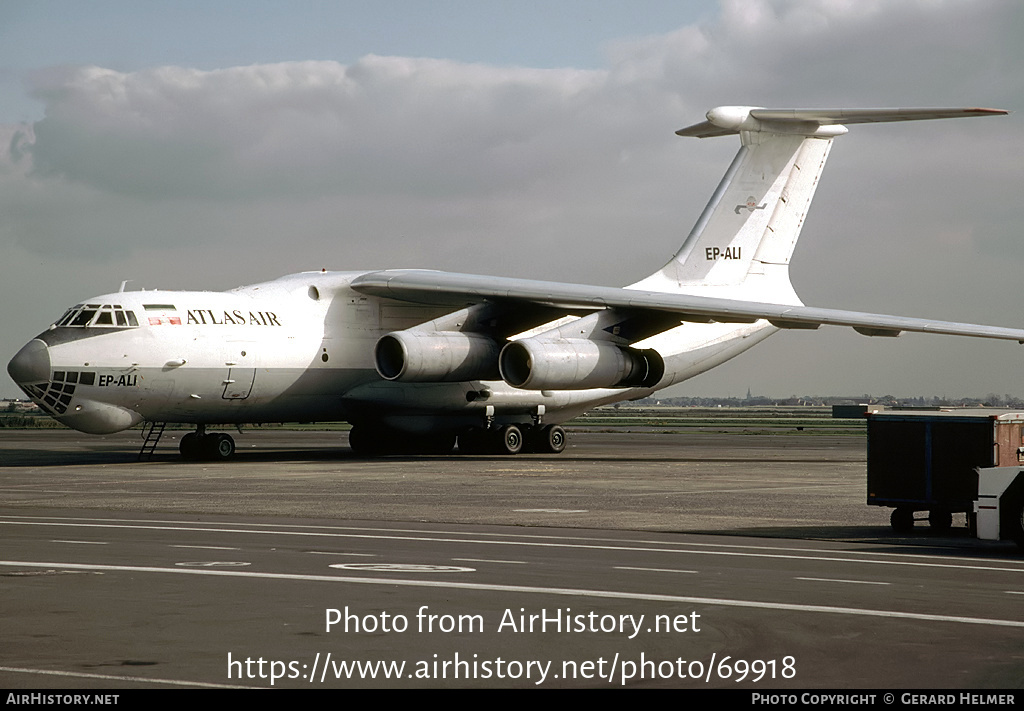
68,315
83,317
98,316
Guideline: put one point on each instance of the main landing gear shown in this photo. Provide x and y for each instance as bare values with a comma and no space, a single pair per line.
200,446
513,439
369,440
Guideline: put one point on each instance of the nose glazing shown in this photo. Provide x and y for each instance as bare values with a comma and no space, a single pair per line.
30,365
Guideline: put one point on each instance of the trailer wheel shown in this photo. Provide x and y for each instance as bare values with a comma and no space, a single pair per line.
940,521
902,519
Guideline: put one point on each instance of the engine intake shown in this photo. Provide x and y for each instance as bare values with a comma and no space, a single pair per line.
436,357
578,364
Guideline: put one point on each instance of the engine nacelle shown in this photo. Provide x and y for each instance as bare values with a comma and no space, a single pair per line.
436,357
577,364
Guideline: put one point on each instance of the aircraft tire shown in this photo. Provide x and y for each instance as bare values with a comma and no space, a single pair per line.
364,441
189,446
472,441
219,447
549,439
509,440
405,443
439,443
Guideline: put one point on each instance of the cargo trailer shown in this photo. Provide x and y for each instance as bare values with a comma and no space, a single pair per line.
926,461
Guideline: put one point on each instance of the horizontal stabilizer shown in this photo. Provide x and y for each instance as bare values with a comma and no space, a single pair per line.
705,129
725,120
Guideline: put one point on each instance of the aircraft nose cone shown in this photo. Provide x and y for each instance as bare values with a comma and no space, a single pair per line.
31,364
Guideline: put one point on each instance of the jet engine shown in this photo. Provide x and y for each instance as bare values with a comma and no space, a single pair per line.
577,364
436,356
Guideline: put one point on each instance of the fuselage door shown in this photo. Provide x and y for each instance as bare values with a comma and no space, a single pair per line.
240,377
238,383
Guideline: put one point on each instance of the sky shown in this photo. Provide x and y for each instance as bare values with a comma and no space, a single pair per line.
206,145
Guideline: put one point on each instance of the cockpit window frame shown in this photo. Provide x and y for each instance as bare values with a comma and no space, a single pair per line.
83,318
113,316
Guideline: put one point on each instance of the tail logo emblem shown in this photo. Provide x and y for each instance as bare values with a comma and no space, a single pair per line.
751,205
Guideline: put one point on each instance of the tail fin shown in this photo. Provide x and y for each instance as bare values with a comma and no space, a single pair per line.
743,241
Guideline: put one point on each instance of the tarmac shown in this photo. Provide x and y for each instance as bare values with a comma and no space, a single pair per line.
701,559
778,483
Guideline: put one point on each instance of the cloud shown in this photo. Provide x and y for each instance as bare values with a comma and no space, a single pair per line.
787,52
465,147
438,134
305,128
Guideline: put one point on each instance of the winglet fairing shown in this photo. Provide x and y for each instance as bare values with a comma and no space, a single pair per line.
415,359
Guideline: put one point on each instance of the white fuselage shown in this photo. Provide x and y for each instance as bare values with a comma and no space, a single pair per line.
300,348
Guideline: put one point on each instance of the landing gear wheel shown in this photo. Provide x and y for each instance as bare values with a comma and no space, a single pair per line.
940,521
549,439
510,440
504,440
189,446
216,447
439,443
446,443
220,446
372,440
471,441
364,441
902,519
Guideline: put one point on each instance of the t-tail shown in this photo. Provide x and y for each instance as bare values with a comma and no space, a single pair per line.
741,245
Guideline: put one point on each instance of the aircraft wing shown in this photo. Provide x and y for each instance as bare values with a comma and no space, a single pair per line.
459,290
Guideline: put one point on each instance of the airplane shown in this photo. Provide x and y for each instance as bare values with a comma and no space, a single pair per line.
418,360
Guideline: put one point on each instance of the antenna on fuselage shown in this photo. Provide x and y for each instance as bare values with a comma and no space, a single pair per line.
123,284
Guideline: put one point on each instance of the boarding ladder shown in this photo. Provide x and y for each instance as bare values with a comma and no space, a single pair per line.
151,433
